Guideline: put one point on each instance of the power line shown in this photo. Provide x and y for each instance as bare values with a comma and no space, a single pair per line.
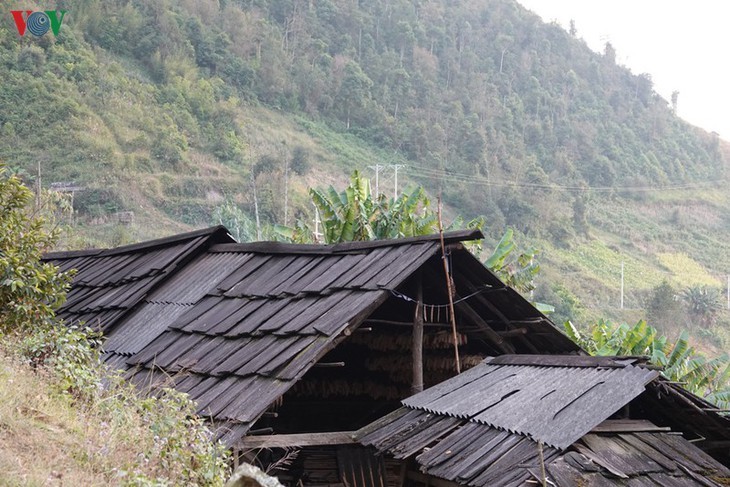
442,175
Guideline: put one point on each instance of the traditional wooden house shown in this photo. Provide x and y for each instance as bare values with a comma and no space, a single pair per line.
289,350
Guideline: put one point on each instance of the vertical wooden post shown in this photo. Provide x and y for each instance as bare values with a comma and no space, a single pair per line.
417,345
543,477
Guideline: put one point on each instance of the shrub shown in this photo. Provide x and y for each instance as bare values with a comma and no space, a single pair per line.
29,289
71,353
170,443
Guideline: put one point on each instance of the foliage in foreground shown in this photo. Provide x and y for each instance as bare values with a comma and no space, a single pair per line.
157,440
706,377
29,289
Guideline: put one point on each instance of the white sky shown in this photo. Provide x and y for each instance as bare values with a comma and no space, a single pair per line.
683,44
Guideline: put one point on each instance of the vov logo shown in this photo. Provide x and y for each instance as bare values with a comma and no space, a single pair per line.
38,23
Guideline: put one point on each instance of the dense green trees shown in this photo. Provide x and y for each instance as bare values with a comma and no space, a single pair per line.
703,304
472,88
695,306
482,100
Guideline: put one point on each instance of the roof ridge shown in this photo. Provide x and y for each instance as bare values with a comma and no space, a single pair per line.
145,245
344,247
564,360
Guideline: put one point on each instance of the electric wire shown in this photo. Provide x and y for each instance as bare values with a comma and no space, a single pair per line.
443,175
409,299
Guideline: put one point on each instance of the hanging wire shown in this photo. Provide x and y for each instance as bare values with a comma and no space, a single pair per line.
438,307
442,175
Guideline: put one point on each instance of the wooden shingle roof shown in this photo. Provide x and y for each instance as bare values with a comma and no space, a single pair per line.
252,334
236,325
489,425
111,282
553,400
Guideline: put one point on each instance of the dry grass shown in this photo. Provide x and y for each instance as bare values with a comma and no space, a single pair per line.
45,440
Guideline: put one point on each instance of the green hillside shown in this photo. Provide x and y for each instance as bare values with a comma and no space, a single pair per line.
172,108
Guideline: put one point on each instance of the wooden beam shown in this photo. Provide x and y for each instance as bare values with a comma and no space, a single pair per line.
471,288
512,333
328,365
507,323
417,343
409,324
472,315
527,322
492,335
430,480
450,291
463,327
628,426
299,439
261,431
714,445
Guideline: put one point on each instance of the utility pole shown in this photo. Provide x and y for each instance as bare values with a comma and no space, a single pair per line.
255,197
317,234
395,168
286,192
256,207
377,168
38,187
622,284
532,281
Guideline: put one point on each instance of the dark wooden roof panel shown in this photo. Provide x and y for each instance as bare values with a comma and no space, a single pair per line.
143,326
118,279
637,459
553,404
455,449
479,455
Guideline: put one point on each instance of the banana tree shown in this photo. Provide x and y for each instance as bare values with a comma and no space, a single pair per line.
355,214
707,377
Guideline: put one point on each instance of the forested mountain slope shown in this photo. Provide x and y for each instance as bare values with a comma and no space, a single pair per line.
171,108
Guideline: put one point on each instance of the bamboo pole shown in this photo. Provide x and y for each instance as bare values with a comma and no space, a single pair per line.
449,290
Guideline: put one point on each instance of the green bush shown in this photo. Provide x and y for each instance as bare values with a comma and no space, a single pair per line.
181,449
174,446
29,289
680,362
71,353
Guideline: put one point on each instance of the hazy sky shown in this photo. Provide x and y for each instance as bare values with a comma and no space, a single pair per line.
683,44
